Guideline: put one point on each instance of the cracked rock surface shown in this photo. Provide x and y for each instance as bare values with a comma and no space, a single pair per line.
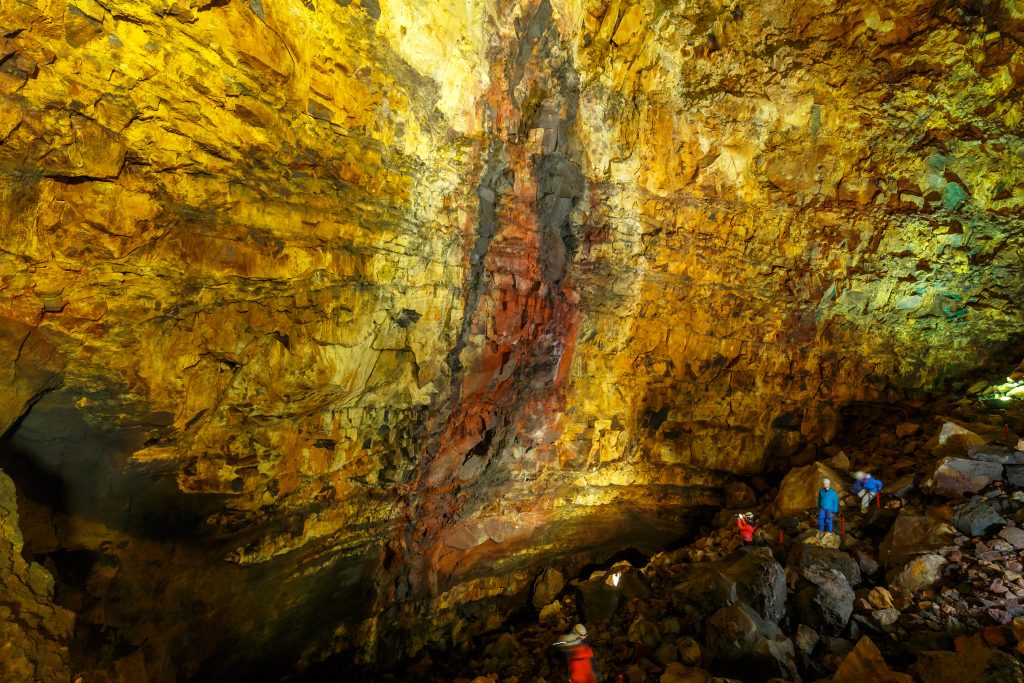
324,325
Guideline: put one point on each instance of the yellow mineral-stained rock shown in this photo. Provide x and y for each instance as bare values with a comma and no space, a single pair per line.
321,320
35,632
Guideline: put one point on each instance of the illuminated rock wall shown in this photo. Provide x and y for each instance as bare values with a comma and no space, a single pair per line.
332,322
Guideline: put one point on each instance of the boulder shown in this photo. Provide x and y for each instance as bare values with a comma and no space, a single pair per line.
739,496
1004,455
690,652
643,630
913,534
976,518
957,476
1015,475
975,664
633,583
826,602
953,439
806,639
839,462
886,617
868,563
546,587
823,539
865,663
666,653
920,572
551,615
880,598
599,596
597,599
1013,535
760,582
905,429
680,673
805,556
749,647
878,521
798,492
706,590
506,648
901,487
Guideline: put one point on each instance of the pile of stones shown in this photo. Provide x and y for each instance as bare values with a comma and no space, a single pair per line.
926,586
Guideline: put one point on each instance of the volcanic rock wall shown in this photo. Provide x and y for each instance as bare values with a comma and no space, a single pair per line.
326,324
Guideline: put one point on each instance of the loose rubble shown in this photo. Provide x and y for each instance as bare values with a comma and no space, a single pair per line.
927,585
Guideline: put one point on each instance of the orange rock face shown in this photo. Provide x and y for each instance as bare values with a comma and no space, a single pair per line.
327,325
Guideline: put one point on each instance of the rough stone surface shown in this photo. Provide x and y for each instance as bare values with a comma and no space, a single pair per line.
921,572
804,556
865,663
880,598
706,590
357,313
34,632
739,496
546,587
747,646
958,476
1013,535
597,598
1004,455
680,673
806,639
976,518
827,602
1015,475
913,534
760,583
798,491
956,440
979,664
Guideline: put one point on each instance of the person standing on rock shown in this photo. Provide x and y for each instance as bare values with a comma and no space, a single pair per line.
828,504
866,487
579,655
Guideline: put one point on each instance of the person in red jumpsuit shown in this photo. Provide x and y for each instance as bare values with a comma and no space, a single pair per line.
745,523
580,656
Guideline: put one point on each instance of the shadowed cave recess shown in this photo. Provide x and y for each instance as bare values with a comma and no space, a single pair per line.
368,339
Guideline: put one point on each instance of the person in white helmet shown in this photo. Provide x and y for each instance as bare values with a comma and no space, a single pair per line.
580,656
828,504
866,487
745,523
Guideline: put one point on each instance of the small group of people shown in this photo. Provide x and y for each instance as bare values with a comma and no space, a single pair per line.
580,656
865,487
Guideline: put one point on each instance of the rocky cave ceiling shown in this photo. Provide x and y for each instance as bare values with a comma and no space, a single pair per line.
325,323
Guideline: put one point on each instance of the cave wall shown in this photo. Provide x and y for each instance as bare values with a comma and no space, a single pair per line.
328,323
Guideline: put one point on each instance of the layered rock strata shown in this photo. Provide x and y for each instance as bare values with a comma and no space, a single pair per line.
329,323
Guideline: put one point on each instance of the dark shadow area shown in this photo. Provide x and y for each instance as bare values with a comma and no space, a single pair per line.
635,557
69,465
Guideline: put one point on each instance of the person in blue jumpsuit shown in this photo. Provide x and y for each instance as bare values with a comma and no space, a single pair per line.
866,487
828,504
